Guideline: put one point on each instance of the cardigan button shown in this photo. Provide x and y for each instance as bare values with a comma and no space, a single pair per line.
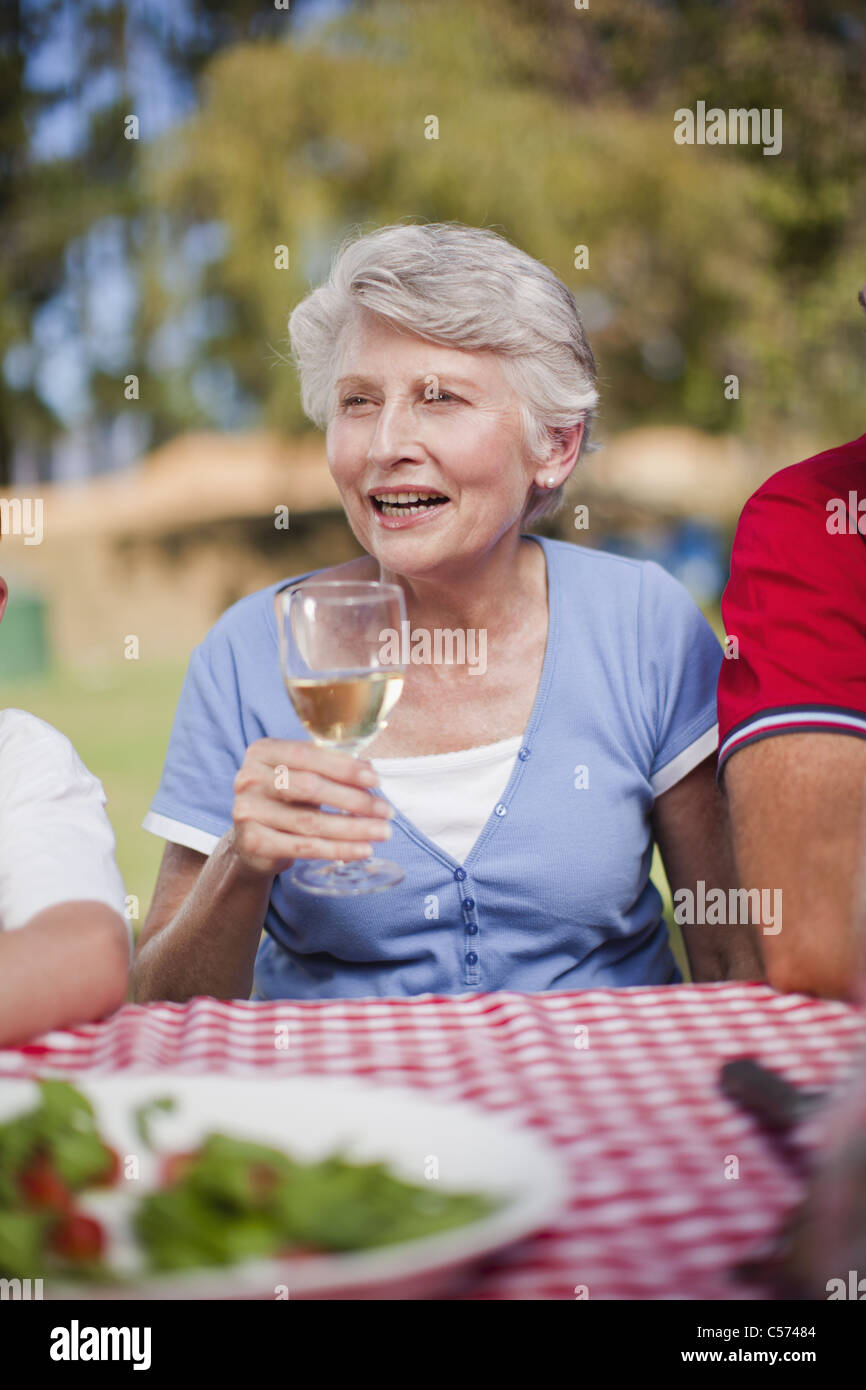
523,753
460,874
501,810
471,958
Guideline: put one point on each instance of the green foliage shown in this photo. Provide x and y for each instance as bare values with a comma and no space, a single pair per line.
555,127
698,255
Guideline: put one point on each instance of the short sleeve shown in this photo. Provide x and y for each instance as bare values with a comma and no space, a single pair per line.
56,841
193,803
796,620
679,657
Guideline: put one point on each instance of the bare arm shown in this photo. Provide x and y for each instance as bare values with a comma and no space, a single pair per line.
68,965
203,929
798,804
691,828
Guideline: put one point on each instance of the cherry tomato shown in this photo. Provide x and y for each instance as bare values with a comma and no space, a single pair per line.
112,1168
263,1179
43,1186
174,1166
78,1237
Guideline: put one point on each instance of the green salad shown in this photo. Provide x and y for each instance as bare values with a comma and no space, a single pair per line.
226,1201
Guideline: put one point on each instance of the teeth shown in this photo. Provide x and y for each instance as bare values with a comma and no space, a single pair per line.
406,497
402,511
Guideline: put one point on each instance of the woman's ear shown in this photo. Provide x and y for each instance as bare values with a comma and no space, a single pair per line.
565,448
564,452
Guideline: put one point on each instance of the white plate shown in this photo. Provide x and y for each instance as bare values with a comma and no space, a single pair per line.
308,1118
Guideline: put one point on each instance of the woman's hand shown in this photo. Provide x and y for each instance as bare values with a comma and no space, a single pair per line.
205,922
279,792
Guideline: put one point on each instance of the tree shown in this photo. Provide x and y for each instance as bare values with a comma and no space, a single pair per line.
290,146
555,125
96,62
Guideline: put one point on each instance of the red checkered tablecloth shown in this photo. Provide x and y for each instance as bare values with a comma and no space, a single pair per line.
625,1081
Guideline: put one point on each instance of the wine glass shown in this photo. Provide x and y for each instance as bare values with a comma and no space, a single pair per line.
340,649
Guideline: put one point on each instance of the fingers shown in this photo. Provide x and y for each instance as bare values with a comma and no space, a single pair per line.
289,773
279,794
310,757
270,851
311,789
307,822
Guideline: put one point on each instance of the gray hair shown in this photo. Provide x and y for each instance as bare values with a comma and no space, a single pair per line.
465,287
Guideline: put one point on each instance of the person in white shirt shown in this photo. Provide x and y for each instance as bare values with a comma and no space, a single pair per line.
65,944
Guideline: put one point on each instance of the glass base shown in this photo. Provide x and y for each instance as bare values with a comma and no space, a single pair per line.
346,880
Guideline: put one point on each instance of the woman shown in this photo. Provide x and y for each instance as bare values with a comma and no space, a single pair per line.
452,375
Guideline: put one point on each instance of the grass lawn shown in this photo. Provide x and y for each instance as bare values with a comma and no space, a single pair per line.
119,720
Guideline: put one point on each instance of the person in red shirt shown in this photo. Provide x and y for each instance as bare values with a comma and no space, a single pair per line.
792,714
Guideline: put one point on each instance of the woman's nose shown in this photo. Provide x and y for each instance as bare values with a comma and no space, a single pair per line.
397,434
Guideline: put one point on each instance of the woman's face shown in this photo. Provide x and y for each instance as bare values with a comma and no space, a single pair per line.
417,417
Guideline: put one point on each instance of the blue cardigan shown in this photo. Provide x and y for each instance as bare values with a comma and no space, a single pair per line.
555,893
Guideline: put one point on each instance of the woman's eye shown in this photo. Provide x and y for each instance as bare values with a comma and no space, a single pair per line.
441,396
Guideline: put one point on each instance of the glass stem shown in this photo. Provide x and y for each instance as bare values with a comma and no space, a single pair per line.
340,865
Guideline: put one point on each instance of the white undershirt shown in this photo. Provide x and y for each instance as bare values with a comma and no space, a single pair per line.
449,796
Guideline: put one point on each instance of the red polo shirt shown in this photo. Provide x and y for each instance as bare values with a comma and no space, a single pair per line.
796,604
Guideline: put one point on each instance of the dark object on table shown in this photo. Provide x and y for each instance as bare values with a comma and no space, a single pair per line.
824,1237
777,1104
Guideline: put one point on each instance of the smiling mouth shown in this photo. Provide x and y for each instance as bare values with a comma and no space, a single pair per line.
406,503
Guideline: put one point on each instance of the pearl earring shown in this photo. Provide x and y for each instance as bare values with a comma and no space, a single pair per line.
551,482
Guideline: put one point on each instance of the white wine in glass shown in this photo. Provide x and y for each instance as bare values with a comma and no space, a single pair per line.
346,710
334,645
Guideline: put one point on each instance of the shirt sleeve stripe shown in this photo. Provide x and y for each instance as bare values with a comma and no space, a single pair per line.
685,762
179,834
805,719
814,707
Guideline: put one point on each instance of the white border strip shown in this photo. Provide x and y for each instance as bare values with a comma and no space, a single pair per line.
831,718
685,762
179,834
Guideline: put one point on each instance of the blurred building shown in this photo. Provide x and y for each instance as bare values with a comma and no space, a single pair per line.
158,552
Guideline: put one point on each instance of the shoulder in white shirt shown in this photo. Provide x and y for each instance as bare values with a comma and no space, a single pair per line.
56,841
